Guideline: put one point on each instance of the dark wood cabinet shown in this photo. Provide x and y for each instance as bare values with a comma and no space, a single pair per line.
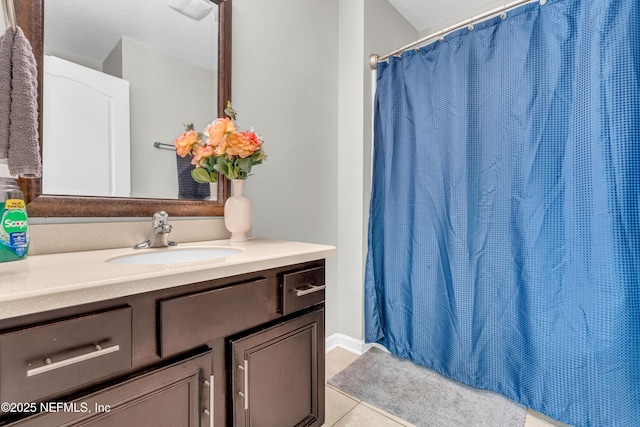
245,350
188,321
278,374
39,361
177,395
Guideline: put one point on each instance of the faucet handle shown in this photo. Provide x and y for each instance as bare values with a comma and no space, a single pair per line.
159,232
160,219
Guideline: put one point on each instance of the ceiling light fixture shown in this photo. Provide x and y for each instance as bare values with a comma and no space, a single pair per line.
194,9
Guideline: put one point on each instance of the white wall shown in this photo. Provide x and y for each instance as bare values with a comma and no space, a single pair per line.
301,79
285,85
366,26
188,95
351,168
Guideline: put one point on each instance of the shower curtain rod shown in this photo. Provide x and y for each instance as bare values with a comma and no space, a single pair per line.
374,58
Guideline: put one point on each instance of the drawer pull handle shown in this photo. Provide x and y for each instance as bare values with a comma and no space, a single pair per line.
73,360
309,289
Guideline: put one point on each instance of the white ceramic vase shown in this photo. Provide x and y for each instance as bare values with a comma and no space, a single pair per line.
238,212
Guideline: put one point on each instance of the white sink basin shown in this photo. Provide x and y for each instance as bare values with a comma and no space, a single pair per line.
173,255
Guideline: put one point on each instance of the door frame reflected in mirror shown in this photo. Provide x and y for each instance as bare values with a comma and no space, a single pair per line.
30,17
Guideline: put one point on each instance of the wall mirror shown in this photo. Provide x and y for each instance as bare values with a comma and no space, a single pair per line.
169,84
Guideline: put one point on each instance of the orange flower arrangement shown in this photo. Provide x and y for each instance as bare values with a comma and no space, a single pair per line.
224,151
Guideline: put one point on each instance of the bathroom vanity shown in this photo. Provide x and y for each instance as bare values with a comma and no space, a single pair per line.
233,341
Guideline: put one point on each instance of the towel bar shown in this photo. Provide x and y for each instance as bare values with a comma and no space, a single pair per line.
163,146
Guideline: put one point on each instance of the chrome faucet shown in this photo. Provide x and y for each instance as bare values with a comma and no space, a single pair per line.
159,236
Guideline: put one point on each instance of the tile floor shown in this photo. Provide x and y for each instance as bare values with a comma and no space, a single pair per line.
342,410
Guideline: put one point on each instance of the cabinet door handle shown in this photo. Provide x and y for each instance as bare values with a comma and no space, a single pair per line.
49,366
209,412
211,391
309,289
245,373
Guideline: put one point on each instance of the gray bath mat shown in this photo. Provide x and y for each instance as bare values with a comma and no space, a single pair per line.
422,396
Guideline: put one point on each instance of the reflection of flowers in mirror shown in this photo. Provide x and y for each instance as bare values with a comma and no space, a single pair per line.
225,150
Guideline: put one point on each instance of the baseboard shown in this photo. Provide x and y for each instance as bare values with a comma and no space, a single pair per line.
348,343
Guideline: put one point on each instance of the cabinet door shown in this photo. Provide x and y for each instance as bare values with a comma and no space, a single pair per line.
177,395
278,374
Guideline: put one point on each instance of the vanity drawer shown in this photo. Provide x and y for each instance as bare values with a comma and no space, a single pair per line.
48,359
302,289
192,320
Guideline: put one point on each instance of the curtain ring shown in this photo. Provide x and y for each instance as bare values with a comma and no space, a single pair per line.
441,37
543,2
470,27
503,15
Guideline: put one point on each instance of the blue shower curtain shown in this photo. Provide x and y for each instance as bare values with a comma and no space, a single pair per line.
504,236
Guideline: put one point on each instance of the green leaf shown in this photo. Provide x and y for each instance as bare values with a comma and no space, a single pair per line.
211,162
258,157
223,168
201,175
245,164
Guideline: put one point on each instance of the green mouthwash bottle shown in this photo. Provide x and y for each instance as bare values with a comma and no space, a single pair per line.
14,227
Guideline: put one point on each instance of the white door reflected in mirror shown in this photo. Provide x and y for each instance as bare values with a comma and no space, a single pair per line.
87,131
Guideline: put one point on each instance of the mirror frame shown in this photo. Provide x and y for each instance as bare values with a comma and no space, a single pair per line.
30,17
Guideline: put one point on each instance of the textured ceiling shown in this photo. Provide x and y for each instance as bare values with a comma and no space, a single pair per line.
432,15
91,28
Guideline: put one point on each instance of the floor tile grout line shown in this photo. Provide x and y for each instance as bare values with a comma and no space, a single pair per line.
338,420
344,394
367,405
385,414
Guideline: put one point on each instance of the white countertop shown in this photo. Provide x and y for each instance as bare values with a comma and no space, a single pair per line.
47,282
